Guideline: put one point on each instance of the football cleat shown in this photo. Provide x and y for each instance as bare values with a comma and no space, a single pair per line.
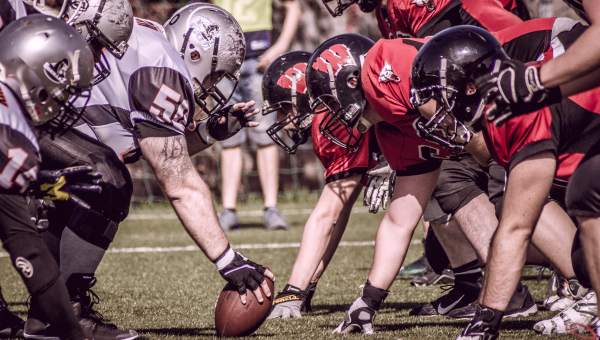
563,293
459,295
581,313
416,268
521,304
431,278
358,319
484,326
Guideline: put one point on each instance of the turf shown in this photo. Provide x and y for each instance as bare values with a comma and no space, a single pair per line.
171,295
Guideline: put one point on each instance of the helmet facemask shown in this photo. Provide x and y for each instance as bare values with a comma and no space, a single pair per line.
293,129
341,5
459,107
214,94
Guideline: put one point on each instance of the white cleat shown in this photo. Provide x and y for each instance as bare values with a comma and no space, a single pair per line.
581,313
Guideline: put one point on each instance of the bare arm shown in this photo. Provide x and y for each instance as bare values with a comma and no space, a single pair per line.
330,213
186,191
579,60
288,31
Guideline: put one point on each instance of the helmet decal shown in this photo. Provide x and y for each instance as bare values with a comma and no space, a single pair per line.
334,58
424,3
205,32
57,72
294,78
387,74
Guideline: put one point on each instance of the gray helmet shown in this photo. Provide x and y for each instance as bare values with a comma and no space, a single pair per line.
48,65
105,23
213,47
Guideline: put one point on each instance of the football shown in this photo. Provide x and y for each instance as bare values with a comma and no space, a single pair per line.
232,318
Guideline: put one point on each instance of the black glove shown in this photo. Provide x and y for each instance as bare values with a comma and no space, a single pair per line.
240,272
515,89
226,122
65,184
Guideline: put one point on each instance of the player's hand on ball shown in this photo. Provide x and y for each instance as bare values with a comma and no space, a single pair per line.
380,187
244,274
288,303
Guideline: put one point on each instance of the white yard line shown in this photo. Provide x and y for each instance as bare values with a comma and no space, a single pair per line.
193,248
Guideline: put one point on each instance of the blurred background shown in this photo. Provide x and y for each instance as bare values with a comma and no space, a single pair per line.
302,172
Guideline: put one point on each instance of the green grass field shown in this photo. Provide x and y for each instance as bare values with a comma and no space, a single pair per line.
171,295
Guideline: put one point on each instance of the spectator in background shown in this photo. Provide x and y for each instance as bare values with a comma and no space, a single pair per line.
254,16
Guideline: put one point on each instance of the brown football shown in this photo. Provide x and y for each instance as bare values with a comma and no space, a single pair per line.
232,318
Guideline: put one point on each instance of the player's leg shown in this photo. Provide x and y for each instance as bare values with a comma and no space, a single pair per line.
37,268
84,235
322,233
411,194
465,265
583,201
10,324
527,189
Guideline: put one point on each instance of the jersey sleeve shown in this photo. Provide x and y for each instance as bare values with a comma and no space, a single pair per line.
160,99
340,163
521,137
385,77
490,14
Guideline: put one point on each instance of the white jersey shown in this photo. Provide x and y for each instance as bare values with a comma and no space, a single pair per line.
148,94
19,150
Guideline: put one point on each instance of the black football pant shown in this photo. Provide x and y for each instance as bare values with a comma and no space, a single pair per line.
36,266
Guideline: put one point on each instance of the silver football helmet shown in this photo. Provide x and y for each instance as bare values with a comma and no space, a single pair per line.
48,65
103,23
213,47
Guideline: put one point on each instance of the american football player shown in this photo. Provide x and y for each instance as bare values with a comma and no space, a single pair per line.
286,95
536,148
517,88
385,83
146,104
44,66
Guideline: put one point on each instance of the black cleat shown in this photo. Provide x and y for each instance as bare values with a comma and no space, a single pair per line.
11,326
430,278
521,305
459,296
93,323
485,325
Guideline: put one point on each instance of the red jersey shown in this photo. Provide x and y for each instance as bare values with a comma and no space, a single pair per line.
421,18
568,129
339,162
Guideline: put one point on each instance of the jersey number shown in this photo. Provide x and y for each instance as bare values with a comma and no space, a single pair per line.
427,152
16,158
169,106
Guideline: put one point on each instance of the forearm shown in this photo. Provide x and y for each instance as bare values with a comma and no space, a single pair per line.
290,24
319,227
186,191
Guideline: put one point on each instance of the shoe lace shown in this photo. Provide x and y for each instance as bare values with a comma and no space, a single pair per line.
88,311
581,331
447,287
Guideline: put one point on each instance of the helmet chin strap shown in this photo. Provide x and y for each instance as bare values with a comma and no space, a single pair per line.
363,125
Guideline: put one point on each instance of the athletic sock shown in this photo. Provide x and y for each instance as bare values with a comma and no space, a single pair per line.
469,273
78,255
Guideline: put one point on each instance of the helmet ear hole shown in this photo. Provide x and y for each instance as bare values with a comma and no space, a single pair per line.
42,96
470,89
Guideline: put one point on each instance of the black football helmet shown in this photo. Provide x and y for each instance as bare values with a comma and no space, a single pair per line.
333,75
284,92
337,7
445,70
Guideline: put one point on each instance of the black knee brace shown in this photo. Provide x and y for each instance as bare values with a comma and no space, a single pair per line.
33,261
93,227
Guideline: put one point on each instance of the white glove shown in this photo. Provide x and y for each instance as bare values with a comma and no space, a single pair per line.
380,187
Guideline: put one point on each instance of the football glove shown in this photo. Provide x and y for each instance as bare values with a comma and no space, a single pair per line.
484,326
288,303
66,184
515,89
239,271
226,122
380,187
310,292
358,319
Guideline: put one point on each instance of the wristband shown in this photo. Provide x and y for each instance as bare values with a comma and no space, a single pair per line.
225,259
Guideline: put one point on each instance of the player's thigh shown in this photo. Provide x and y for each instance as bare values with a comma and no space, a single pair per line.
583,191
460,182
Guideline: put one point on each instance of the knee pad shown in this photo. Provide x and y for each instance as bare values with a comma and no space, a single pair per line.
578,260
117,186
435,253
93,227
32,259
